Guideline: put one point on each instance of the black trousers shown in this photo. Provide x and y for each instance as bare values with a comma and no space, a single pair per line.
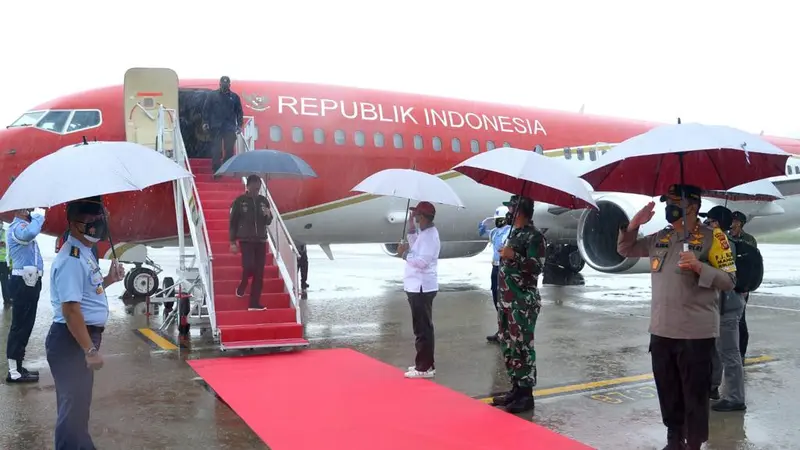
495,273
23,315
254,258
682,371
744,334
302,263
4,280
422,322
74,382
222,148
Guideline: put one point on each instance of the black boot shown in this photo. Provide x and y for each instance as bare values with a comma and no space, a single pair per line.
493,338
675,440
522,402
505,399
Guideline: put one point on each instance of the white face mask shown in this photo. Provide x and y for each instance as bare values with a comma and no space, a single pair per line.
91,239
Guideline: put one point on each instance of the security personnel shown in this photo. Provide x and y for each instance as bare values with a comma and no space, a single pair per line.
687,277
727,360
302,264
522,260
497,236
80,312
4,272
24,286
737,233
224,117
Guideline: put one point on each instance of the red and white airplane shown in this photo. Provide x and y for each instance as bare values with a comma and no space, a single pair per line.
347,134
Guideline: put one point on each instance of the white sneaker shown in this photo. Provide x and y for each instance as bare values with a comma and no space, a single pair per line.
414,373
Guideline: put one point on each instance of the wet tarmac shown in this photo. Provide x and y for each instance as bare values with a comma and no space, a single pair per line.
594,369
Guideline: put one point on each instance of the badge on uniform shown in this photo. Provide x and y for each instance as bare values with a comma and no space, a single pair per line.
657,261
99,289
75,252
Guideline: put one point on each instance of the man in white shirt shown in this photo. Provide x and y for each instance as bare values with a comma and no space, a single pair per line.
421,284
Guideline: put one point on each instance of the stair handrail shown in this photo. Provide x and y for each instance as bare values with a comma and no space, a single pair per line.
204,253
283,247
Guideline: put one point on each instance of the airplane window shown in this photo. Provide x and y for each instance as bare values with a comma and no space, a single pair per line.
579,152
319,136
456,144
592,155
418,142
297,134
490,145
437,144
359,138
378,139
28,119
506,144
275,133
796,169
398,140
788,170
539,149
83,120
567,153
338,137
474,146
54,121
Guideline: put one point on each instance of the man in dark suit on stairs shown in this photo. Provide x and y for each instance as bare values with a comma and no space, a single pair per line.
249,218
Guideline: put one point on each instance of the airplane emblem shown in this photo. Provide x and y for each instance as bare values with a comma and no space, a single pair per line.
256,102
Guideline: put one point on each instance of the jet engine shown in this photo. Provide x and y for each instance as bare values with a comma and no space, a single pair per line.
458,249
598,232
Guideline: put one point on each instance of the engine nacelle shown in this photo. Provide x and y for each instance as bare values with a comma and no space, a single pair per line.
460,249
598,232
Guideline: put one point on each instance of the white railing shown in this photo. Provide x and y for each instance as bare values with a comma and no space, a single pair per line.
187,191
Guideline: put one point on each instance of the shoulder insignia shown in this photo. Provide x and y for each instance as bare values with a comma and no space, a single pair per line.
75,252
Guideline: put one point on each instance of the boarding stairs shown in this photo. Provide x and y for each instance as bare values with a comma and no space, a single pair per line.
209,272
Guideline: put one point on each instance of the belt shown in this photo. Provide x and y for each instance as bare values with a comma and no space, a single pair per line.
89,328
20,272
496,264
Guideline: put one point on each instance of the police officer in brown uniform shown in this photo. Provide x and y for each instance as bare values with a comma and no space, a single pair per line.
684,312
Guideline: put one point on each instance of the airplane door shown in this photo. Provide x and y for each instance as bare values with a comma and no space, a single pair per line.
249,136
145,90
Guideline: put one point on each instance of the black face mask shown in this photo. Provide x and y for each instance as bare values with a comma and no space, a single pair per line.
96,230
499,222
673,213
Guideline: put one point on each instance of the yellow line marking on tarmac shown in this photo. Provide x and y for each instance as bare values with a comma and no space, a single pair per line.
158,340
593,385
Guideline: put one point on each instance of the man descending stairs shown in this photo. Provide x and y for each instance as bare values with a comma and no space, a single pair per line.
250,216
242,324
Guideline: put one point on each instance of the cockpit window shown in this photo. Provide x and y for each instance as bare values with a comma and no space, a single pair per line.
28,119
82,120
54,121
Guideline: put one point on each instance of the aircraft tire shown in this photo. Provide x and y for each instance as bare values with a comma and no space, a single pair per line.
139,280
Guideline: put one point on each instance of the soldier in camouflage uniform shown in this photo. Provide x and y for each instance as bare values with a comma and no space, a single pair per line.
521,262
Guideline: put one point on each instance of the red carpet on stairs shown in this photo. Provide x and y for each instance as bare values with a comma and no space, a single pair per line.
342,399
239,327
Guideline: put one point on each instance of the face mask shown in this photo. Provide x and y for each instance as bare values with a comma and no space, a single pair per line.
509,216
673,213
499,222
95,231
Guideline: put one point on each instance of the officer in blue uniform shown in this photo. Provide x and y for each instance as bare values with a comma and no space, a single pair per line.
80,312
24,286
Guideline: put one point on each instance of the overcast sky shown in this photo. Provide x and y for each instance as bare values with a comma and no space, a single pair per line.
710,61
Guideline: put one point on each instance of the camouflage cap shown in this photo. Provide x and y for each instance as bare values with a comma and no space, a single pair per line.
738,215
516,200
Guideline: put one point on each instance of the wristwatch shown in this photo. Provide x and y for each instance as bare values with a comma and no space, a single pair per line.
92,351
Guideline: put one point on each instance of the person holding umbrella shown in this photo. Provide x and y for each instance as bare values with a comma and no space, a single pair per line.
687,275
497,236
521,262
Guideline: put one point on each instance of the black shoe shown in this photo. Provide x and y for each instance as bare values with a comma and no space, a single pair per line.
492,338
240,291
505,399
523,402
728,406
304,285
714,394
675,441
35,373
23,378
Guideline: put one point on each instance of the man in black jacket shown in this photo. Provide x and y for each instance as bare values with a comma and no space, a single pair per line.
223,116
250,216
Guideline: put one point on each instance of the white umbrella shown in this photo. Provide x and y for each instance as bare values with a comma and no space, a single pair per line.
409,184
527,173
86,170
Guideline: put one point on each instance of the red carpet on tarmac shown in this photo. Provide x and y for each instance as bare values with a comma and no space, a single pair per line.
342,399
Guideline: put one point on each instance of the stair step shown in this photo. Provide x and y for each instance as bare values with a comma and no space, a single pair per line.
231,260
271,343
230,302
269,286
223,247
217,225
219,187
235,273
200,162
261,332
216,214
211,205
208,177
225,196
278,315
